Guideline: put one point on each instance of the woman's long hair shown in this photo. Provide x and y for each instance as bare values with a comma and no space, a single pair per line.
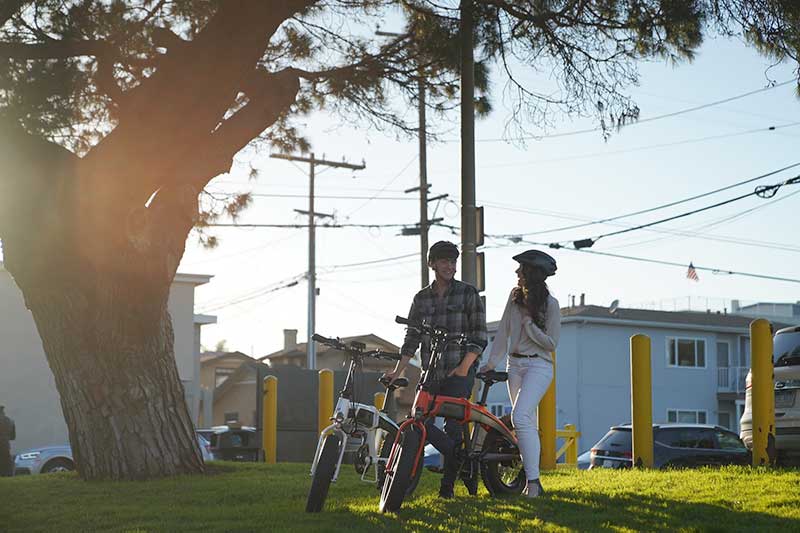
534,295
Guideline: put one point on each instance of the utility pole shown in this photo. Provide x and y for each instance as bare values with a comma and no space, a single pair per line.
423,182
424,223
469,256
311,361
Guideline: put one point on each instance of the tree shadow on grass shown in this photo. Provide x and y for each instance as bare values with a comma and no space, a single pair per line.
576,511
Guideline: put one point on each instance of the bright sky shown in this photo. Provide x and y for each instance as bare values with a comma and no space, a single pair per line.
552,182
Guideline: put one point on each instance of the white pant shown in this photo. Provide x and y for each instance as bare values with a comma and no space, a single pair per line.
528,379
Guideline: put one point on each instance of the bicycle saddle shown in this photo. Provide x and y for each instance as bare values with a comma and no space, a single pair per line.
399,383
493,375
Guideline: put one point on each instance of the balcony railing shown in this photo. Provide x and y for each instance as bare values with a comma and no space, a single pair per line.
731,379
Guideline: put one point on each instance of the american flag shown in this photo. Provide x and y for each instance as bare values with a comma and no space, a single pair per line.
692,273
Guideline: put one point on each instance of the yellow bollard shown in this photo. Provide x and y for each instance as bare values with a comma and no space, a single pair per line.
325,399
547,424
763,395
380,400
269,411
641,401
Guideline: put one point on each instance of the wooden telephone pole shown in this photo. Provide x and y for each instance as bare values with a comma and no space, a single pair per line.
312,268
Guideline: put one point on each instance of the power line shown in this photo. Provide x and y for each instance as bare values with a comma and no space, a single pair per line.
762,191
662,206
385,187
330,197
253,295
696,267
644,120
371,262
321,225
659,262
693,140
723,238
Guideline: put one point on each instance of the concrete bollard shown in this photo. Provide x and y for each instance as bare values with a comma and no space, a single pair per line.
641,402
270,419
547,424
325,399
762,393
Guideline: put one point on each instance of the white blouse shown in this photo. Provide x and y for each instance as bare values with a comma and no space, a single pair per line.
518,334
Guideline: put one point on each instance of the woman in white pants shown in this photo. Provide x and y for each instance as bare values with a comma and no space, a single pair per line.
528,333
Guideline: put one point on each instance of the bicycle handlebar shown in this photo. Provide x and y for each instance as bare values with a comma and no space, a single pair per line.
380,354
354,348
323,340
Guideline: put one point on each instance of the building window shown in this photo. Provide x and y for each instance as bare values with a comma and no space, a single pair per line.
723,354
221,374
688,416
497,409
744,352
724,420
686,352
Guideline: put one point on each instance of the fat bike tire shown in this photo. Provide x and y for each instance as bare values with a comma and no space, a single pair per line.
502,478
323,474
386,449
398,474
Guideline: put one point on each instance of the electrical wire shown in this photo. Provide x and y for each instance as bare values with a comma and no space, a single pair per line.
662,206
322,225
263,291
332,197
761,191
696,267
694,234
402,171
683,142
371,262
640,121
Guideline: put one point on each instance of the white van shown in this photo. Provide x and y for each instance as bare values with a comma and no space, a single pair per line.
786,356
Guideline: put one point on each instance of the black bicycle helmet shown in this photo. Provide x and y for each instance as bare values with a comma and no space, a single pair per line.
442,250
537,259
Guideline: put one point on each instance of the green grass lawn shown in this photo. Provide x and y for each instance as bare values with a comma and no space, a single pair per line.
250,497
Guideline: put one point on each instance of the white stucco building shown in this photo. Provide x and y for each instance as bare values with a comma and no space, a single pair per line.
27,386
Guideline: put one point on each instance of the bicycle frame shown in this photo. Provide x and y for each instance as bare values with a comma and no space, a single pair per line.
344,414
356,424
427,404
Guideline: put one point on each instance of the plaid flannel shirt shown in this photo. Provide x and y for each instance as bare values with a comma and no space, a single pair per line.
460,310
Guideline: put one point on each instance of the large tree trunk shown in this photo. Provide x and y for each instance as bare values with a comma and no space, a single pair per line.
96,278
94,242
110,347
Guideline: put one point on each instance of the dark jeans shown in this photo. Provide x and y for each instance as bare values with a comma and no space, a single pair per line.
6,463
450,439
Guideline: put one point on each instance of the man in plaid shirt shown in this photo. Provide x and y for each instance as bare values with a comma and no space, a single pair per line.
456,306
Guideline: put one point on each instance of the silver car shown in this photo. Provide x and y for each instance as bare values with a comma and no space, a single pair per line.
49,459
44,460
786,348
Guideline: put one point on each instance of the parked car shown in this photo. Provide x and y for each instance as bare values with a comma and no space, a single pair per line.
233,442
432,459
674,446
585,460
49,459
44,460
786,356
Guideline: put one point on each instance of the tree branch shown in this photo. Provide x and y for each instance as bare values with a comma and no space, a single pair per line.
56,49
270,95
9,8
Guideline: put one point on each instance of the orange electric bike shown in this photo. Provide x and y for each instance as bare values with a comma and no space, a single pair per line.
489,449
